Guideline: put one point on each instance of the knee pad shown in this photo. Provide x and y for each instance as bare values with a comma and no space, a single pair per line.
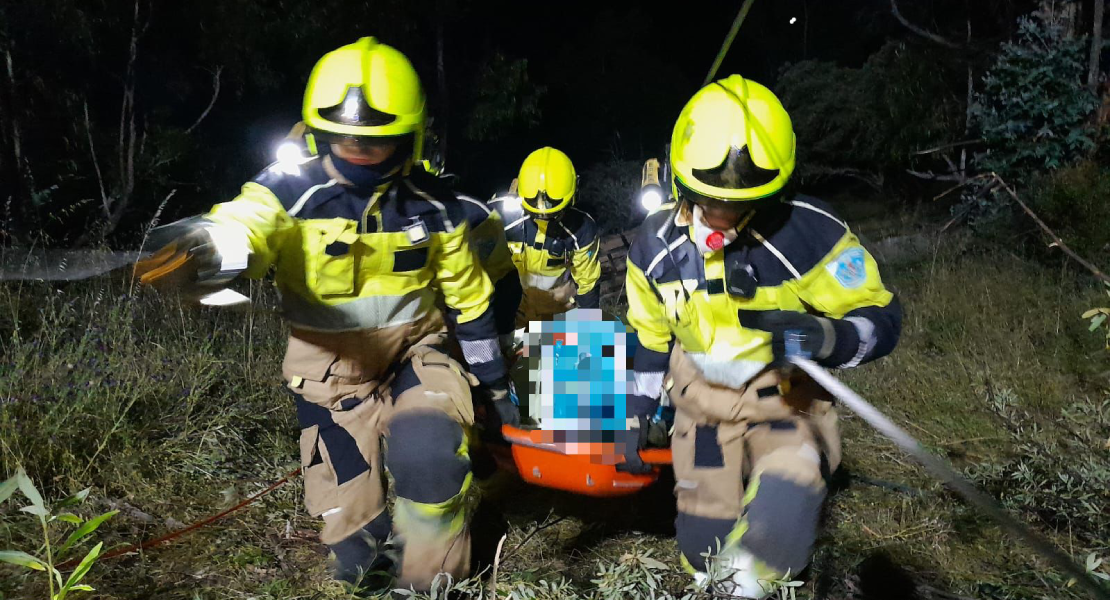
697,536
426,454
782,521
361,553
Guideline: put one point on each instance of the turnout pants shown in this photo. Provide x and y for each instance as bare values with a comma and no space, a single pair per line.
750,467
542,305
357,425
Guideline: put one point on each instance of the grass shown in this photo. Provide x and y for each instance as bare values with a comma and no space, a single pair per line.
172,413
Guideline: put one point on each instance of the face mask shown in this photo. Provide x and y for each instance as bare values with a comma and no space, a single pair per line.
369,176
708,239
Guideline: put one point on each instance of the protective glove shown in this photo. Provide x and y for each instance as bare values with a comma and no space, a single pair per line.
504,403
635,439
829,342
185,257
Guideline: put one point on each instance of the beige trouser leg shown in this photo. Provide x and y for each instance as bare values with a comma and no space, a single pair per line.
543,305
427,455
420,413
749,468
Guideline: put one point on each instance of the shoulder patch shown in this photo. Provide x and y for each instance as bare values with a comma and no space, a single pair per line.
849,268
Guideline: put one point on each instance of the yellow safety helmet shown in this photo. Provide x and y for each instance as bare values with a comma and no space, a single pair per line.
733,141
366,92
547,182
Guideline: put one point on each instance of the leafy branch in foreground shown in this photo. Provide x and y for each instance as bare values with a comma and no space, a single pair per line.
52,523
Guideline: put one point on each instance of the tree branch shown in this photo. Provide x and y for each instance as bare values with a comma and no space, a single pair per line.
919,31
874,180
96,165
946,147
1056,241
929,175
212,102
1093,72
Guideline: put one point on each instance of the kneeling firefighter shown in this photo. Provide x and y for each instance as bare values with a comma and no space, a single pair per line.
361,241
723,286
554,244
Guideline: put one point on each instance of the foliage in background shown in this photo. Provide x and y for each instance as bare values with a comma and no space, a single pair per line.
1100,319
1034,114
504,98
1033,480
868,121
1033,110
1075,202
607,192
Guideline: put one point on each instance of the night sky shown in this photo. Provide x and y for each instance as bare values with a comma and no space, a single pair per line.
616,73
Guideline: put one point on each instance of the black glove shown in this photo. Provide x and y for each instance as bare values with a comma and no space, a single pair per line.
829,342
498,397
635,439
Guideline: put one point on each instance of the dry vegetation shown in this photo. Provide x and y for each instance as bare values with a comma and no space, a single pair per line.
172,413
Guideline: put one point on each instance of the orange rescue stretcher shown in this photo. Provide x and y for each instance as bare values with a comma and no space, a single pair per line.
576,468
545,464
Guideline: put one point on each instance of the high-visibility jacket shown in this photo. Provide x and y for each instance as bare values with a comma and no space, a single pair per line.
794,256
365,260
549,254
487,236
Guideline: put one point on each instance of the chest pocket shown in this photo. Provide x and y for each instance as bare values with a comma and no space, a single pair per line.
330,249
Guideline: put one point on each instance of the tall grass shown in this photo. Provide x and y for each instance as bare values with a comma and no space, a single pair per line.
171,412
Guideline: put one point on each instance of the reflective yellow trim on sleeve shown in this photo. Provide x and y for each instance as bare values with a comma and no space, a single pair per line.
645,312
846,279
585,267
259,215
499,260
465,285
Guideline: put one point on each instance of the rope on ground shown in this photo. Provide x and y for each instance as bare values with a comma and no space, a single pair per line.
940,469
180,532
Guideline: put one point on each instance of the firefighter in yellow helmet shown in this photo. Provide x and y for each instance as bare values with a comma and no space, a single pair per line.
361,241
723,285
554,244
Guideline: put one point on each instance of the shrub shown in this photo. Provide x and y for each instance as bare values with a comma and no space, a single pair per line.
1034,111
607,191
1075,202
871,119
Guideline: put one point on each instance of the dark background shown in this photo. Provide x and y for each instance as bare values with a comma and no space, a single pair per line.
602,81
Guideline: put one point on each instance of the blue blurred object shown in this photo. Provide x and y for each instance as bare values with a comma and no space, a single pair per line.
579,371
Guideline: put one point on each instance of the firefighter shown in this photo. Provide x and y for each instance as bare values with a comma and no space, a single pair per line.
725,284
361,243
554,245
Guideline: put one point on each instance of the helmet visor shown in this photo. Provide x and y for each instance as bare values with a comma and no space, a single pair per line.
545,206
737,172
354,110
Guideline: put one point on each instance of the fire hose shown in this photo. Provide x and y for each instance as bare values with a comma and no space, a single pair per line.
941,470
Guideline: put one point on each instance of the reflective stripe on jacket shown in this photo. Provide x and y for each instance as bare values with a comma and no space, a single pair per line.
799,255
347,259
548,254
